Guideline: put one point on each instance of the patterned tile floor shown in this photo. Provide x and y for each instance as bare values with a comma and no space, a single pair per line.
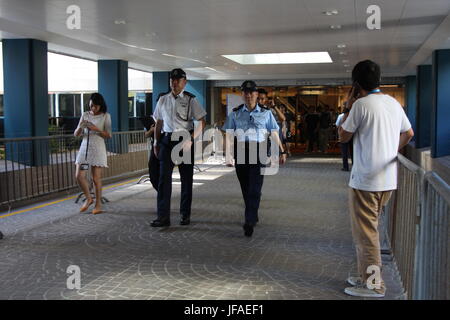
301,249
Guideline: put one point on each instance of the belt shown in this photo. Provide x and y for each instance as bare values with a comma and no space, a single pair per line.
169,134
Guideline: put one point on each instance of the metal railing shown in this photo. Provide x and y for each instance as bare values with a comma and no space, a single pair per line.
38,166
433,245
418,230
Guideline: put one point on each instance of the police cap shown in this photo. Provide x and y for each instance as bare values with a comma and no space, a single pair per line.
249,85
177,74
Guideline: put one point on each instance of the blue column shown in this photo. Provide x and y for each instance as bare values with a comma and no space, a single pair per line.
411,103
26,98
199,88
424,102
440,117
161,84
113,85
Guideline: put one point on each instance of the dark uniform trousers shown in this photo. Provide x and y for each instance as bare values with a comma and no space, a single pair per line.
165,180
251,181
346,150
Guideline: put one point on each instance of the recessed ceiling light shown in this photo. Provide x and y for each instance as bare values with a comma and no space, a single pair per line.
342,53
348,71
345,61
330,12
120,21
281,58
336,26
342,46
347,65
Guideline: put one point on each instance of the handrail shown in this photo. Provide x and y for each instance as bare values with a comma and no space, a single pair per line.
8,140
408,163
419,219
439,185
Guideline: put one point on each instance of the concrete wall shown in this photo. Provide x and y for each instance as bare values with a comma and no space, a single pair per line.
422,157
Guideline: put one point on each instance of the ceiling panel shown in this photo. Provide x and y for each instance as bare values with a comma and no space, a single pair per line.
198,32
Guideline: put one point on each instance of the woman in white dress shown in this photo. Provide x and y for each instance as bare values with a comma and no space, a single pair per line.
95,127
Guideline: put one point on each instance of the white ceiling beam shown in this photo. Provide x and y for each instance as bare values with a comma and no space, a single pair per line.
434,41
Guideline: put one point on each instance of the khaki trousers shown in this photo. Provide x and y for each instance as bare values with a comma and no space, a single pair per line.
365,209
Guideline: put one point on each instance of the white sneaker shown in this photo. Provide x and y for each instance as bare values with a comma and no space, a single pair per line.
355,281
363,291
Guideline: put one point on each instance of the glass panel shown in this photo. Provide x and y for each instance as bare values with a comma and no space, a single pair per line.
140,104
130,107
66,105
86,100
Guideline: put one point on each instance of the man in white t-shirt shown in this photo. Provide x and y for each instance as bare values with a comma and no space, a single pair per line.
379,128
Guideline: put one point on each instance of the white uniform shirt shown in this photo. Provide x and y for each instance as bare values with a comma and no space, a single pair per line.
178,114
377,122
339,120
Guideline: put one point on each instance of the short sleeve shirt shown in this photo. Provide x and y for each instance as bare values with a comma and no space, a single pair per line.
178,112
377,122
251,125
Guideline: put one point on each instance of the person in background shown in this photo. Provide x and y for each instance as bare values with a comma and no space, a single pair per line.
345,147
312,128
324,127
95,127
287,133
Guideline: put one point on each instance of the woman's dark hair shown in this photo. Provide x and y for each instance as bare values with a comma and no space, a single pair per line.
97,99
367,75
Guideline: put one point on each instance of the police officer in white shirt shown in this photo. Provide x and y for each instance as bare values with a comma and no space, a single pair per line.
174,113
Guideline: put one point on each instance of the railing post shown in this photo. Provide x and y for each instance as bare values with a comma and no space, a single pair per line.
419,248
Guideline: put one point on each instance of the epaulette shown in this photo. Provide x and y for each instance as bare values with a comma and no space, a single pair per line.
189,94
162,94
238,108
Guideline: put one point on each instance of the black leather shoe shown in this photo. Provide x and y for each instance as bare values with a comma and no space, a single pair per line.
185,221
158,223
248,230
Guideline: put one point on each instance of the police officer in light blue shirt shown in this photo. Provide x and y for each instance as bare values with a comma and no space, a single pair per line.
251,124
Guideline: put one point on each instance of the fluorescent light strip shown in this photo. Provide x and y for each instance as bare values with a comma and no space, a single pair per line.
281,58
184,58
125,44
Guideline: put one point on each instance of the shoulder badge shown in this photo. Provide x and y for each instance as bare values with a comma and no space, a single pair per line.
189,94
162,94
238,108
263,107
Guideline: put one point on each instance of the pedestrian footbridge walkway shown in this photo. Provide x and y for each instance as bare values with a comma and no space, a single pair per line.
301,249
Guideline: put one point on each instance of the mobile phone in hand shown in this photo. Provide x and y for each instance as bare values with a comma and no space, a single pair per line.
356,90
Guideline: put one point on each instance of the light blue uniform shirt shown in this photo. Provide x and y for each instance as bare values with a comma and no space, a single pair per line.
255,124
